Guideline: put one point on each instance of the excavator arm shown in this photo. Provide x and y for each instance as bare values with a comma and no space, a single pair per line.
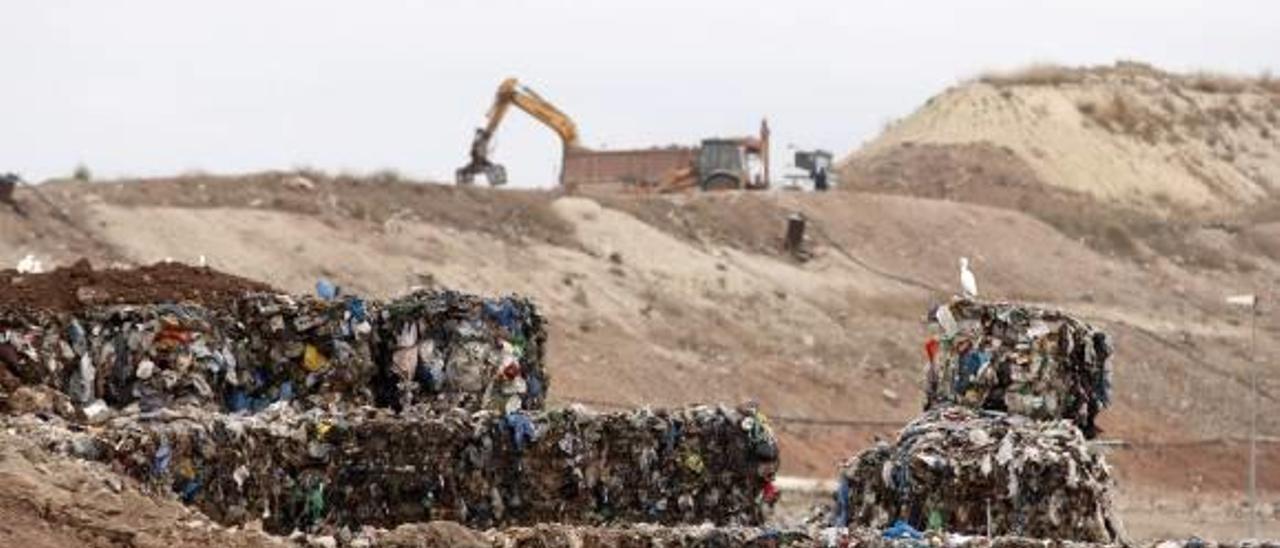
510,92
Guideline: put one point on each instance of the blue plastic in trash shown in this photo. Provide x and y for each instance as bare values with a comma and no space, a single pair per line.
504,312
842,502
522,431
326,290
160,463
190,489
970,363
357,309
673,434
533,388
902,530
425,377
237,401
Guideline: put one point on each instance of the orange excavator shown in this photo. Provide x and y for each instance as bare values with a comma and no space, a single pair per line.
511,92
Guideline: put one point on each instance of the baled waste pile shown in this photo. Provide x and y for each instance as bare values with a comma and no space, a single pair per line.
1038,363
558,535
963,470
241,354
323,469
459,350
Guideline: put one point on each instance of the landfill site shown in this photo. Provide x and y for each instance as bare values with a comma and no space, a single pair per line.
1036,311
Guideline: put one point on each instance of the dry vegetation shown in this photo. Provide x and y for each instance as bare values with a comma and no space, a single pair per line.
1122,115
381,198
1048,74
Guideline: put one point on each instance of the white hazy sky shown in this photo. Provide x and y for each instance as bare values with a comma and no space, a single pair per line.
156,87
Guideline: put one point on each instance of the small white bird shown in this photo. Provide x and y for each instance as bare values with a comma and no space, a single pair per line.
968,284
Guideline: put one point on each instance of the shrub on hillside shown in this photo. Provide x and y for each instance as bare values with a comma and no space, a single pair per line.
1035,75
82,173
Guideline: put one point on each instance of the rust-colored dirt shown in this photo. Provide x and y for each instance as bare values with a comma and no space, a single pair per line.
71,288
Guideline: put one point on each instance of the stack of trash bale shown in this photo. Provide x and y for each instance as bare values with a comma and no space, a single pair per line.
325,469
1034,362
331,412
972,471
438,348
1012,393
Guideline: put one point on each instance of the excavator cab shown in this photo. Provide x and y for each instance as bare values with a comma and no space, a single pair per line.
722,165
734,164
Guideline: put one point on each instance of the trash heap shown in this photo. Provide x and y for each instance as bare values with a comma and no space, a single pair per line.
325,469
558,535
1012,393
438,348
964,470
331,413
1028,361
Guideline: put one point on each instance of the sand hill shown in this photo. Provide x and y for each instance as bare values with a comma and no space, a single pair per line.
1127,134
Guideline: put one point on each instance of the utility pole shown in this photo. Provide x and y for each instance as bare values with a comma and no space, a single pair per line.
1251,303
1253,419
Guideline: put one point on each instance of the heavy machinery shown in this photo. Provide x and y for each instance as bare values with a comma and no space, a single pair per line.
718,164
740,163
510,92
809,170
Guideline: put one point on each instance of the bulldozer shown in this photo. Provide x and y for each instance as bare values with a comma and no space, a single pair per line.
511,92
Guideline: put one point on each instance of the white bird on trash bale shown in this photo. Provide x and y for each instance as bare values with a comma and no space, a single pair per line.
968,283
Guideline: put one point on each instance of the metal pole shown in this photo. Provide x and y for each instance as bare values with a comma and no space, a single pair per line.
988,519
1253,421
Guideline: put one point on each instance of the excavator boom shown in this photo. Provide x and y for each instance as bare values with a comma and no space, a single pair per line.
510,92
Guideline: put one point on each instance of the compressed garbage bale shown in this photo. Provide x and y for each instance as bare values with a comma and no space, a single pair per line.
300,347
554,534
1035,362
466,351
953,466
366,466
155,355
460,350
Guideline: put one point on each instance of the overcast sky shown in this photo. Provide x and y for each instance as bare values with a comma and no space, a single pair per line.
165,86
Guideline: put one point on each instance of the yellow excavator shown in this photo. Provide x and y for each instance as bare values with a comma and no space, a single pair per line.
511,92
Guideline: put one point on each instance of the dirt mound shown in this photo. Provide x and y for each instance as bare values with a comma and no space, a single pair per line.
1128,134
979,172
69,289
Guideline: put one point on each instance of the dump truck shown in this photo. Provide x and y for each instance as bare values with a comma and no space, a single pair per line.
717,163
